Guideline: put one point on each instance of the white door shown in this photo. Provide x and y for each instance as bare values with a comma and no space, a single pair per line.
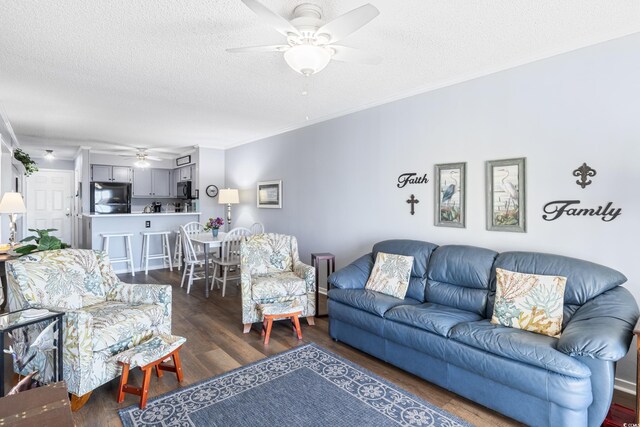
49,202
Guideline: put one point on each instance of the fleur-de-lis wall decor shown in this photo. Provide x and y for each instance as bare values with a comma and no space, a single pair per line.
584,172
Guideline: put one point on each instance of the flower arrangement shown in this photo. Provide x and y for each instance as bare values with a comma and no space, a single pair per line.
213,224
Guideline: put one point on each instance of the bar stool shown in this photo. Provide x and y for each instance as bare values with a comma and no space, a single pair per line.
165,256
177,251
128,258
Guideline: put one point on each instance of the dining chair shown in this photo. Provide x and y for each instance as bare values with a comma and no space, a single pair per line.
191,258
229,259
257,228
191,228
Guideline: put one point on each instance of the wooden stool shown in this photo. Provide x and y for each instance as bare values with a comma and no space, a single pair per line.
148,355
276,311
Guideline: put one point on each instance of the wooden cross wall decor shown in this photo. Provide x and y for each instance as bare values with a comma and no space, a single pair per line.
412,200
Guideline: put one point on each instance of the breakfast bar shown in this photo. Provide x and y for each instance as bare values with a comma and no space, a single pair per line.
94,225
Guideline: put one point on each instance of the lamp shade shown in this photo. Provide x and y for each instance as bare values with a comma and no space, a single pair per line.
12,203
307,59
229,195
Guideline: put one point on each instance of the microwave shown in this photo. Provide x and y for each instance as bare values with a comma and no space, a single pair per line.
184,190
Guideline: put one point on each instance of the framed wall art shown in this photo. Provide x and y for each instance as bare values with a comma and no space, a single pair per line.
269,194
506,195
450,195
184,160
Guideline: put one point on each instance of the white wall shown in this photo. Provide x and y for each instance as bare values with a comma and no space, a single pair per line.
211,170
339,176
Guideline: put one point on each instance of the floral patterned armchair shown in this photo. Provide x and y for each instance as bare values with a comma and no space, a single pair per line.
271,272
103,315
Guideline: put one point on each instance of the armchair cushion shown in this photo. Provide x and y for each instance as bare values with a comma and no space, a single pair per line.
115,322
268,253
277,285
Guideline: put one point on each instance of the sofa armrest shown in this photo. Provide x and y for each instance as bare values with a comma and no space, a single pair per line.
603,327
306,272
142,294
354,275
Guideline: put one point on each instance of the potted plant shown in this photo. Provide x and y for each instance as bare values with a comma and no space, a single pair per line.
214,225
43,242
29,165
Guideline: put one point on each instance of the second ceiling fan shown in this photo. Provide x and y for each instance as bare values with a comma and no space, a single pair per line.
310,42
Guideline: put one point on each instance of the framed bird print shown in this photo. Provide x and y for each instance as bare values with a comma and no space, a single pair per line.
450,195
505,181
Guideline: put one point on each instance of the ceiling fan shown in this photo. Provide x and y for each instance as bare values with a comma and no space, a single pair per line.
310,41
142,158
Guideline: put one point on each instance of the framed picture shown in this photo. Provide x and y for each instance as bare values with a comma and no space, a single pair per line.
506,195
450,195
184,160
270,194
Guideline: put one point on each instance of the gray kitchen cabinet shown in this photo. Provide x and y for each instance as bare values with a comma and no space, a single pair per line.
142,183
151,183
160,180
121,174
107,173
185,173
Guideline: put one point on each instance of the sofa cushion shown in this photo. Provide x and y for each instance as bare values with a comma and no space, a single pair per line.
420,251
532,302
458,277
116,322
585,280
277,285
517,344
390,274
369,301
435,318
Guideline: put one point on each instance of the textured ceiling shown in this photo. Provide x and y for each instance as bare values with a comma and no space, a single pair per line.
155,73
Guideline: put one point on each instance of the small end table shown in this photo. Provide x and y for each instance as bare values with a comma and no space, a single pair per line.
16,320
331,268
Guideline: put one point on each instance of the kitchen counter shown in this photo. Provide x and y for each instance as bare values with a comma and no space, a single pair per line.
95,225
140,214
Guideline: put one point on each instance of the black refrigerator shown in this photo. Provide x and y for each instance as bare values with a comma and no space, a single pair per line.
110,197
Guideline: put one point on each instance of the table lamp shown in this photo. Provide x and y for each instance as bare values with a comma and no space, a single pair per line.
12,204
230,196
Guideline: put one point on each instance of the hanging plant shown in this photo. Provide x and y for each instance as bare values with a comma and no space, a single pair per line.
29,165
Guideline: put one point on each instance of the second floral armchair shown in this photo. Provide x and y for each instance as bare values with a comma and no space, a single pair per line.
271,272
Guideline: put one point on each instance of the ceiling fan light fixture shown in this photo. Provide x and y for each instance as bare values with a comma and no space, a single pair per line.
307,59
142,161
49,155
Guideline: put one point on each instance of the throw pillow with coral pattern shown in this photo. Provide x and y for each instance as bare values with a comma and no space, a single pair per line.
390,275
531,302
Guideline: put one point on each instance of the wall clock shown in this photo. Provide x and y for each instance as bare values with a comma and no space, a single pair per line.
212,191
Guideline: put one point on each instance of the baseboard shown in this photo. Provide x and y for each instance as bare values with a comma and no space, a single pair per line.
625,386
125,270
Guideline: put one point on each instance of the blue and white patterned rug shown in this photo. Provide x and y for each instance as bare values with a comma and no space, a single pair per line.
305,386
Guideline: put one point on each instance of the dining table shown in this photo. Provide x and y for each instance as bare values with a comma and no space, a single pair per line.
208,242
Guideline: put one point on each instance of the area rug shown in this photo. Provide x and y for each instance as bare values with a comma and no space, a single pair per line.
305,386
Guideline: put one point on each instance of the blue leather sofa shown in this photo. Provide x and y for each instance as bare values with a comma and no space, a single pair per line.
442,332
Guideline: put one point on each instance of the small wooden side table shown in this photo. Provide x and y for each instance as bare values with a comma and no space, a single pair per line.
331,268
47,405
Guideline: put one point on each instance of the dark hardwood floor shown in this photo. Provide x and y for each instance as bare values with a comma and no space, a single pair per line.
216,344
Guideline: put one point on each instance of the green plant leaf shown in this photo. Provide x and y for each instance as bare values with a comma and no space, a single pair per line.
28,239
26,249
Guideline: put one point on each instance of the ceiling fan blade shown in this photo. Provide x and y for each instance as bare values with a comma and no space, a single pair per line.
281,25
349,54
348,23
273,48
154,158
